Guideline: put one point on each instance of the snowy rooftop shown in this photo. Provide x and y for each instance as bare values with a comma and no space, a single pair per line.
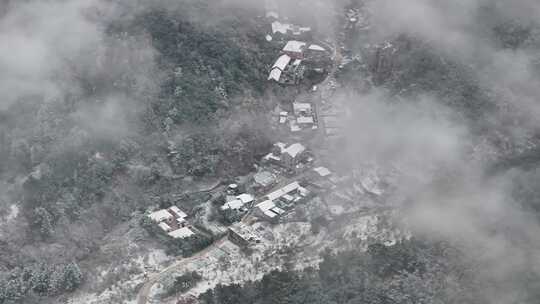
178,212
164,227
233,205
294,149
282,62
315,47
322,171
160,215
270,213
266,205
275,74
303,191
277,210
278,27
305,120
271,156
301,106
181,233
245,198
283,191
294,46
288,197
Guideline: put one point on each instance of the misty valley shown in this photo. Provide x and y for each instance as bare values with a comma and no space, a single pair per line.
269,152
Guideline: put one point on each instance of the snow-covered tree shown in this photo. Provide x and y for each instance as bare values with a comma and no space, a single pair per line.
72,276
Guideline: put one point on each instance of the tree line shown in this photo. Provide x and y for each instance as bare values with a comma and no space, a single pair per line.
39,280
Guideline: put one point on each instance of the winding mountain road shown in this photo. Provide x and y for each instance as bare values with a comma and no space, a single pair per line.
142,297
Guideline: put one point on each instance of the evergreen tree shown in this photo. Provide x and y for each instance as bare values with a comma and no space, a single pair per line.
72,276
40,281
11,291
43,219
56,280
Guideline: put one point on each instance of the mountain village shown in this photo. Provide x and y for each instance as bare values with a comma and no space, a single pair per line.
293,206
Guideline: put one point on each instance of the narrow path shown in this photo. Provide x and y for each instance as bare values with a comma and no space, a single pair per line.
142,297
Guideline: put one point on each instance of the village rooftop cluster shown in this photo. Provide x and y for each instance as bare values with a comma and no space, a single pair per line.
287,176
284,179
299,52
172,221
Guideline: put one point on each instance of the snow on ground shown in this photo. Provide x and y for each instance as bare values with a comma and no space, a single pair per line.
293,242
282,244
153,261
362,227
133,274
227,263
289,233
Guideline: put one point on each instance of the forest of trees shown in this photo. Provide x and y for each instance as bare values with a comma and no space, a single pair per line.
69,173
76,180
410,272
205,67
39,280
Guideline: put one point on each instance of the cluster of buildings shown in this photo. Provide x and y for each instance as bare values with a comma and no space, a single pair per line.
287,71
277,203
289,159
273,201
304,117
300,115
281,200
238,203
290,67
272,207
173,221
292,157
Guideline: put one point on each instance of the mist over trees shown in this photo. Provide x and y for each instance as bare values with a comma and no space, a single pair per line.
107,106
90,132
478,62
